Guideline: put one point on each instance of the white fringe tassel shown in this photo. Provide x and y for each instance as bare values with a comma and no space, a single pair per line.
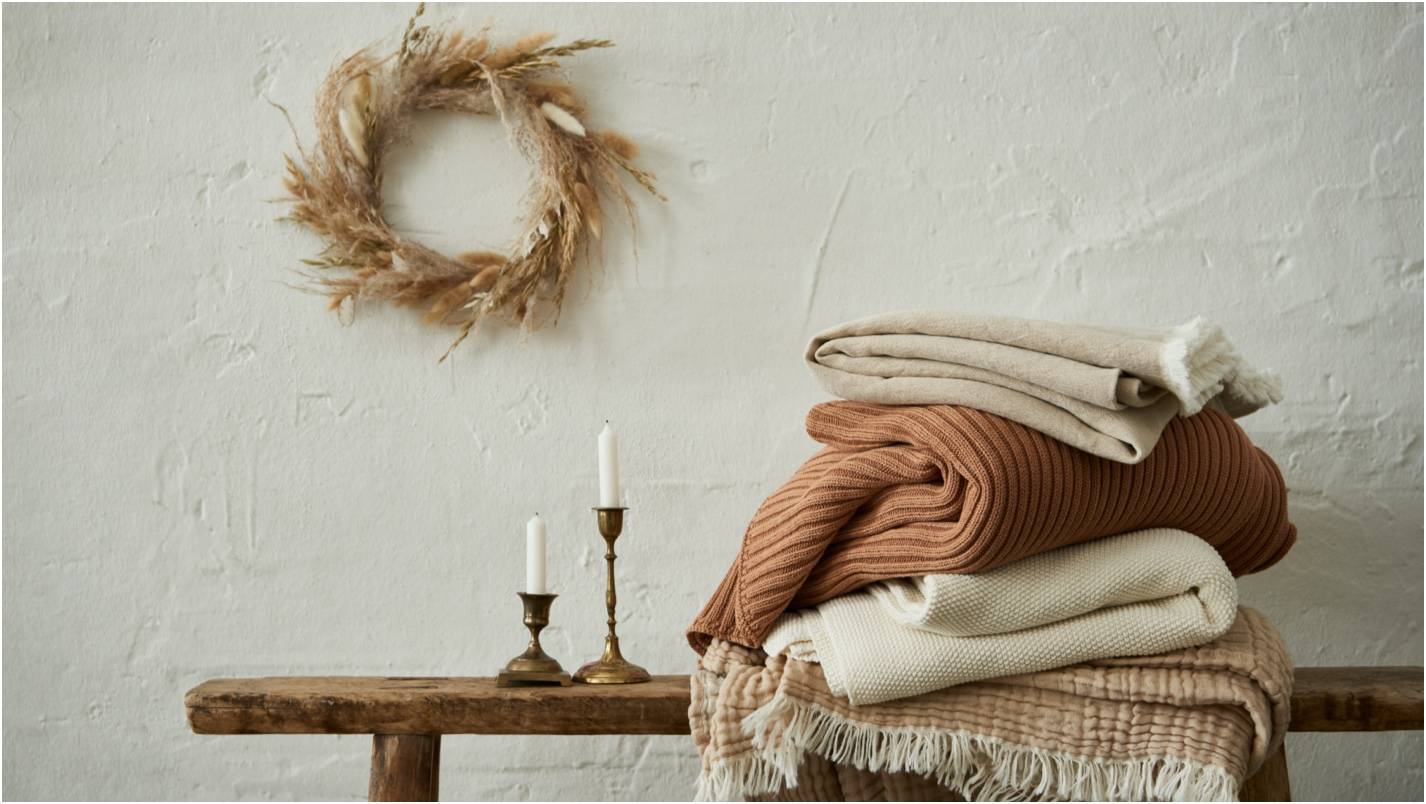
1199,362
976,766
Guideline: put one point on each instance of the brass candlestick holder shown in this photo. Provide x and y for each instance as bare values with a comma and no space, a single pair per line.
612,667
534,666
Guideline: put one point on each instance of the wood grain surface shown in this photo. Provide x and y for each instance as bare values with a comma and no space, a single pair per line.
1324,699
373,705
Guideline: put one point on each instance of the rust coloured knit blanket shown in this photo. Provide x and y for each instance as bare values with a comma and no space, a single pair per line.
917,490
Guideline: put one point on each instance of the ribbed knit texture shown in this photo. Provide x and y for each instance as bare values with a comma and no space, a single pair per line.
919,490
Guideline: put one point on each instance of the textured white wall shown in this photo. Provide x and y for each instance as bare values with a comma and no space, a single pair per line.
206,475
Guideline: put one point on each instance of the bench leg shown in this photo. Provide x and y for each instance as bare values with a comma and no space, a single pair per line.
1270,782
405,767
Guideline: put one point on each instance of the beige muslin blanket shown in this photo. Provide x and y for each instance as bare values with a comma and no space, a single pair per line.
1151,591
1105,390
1187,725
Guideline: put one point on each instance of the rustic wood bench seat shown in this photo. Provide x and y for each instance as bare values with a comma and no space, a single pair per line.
407,716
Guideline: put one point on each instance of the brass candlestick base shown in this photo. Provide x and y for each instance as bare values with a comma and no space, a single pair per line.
534,666
612,667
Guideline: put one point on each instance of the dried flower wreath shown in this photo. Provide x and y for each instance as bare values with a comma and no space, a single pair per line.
364,107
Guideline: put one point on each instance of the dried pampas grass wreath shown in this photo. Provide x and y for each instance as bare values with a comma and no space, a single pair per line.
364,107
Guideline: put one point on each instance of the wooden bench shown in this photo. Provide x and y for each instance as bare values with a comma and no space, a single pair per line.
407,716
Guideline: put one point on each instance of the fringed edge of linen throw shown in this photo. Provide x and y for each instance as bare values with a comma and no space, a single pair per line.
1199,362
976,766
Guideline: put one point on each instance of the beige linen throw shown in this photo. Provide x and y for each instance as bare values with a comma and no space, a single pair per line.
1187,725
1105,390
1151,591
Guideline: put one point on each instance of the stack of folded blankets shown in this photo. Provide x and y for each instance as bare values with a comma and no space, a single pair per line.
1008,574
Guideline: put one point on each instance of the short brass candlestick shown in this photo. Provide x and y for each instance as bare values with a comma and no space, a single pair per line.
534,666
611,668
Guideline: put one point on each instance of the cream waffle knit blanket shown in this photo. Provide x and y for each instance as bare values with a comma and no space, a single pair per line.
1147,592
1105,390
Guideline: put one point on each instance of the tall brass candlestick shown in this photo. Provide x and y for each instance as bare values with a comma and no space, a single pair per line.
612,667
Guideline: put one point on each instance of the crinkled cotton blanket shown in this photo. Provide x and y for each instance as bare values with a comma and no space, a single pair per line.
1186,725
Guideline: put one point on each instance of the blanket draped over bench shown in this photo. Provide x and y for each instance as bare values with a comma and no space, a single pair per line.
1190,724
915,490
1105,390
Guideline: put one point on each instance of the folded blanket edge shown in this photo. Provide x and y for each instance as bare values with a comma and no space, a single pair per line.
979,767
1196,359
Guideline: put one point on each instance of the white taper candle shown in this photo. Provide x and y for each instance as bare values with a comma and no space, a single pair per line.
608,468
535,538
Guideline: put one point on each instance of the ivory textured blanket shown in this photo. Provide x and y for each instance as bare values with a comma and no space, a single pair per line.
1140,593
918,490
1108,391
1188,725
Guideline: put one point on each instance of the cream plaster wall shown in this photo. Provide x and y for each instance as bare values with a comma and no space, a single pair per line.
205,474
